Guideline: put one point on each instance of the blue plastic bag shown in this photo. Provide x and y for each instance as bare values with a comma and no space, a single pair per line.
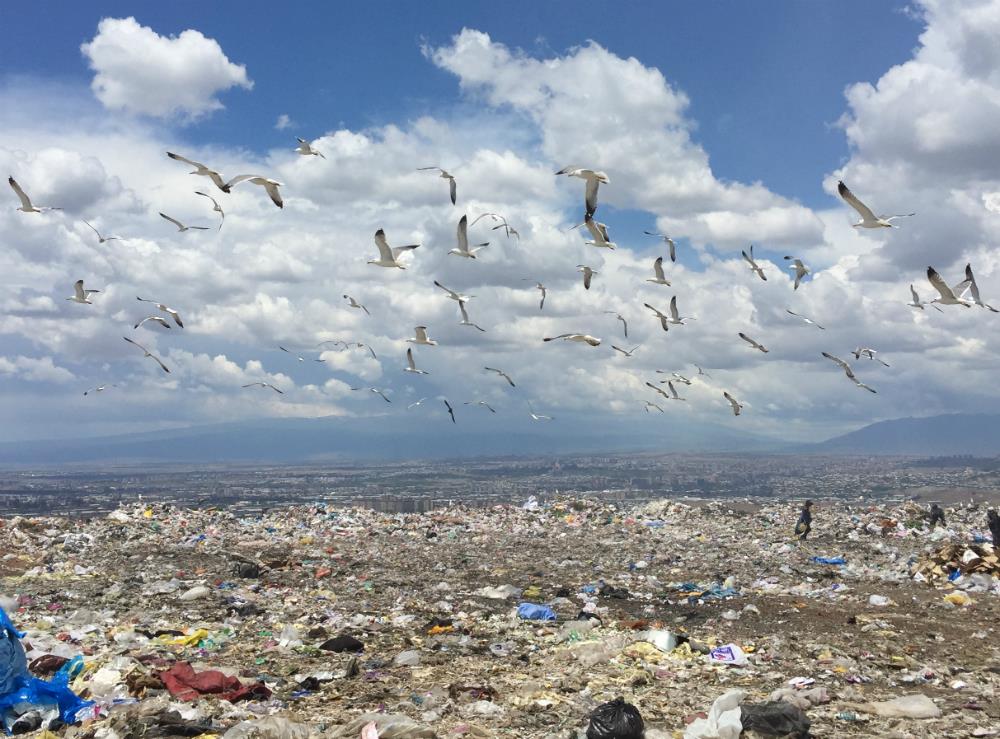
535,612
830,560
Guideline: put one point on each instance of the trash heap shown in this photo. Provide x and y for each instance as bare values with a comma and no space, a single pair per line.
556,620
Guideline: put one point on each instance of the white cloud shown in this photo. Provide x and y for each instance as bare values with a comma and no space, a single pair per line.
283,122
139,71
40,369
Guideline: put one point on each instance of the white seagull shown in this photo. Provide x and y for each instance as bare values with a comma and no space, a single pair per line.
593,179
668,241
621,318
868,218
355,304
968,286
947,294
101,239
265,384
166,309
737,406
416,403
660,390
80,295
508,229
269,185
389,256
664,318
503,374
537,416
673,392
374,390
754,267
599,234
847,371
181,227
483,403
702,372
588,274
541,288
452,187
215,207
201,169
918,303
864,351
98,389
800,270
465,317
305,149
420,337
411,366
581,338
755,344
26,204
680,378
651,404
810,321
463,249
661,279
148,353
454,295
154,319
626,353
676,318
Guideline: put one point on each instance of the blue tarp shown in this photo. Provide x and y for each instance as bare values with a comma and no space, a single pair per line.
536,612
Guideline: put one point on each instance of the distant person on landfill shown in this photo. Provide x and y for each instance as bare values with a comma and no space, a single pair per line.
937,516
804,524
993,521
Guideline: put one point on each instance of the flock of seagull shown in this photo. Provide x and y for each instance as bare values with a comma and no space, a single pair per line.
964,293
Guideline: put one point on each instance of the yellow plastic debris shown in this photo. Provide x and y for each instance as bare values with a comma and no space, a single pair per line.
958,599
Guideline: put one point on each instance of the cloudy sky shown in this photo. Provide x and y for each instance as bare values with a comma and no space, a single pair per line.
714,125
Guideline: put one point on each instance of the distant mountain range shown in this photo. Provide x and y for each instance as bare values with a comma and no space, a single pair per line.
480,435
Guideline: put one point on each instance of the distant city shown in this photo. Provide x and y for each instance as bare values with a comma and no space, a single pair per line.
422,486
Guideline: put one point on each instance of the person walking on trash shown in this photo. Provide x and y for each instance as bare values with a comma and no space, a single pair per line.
804,524
993,522
937,516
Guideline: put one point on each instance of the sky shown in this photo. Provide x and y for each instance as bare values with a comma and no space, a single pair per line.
714,123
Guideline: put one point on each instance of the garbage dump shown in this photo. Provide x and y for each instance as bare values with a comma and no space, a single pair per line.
558,619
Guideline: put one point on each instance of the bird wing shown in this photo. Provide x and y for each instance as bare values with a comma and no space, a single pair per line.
673,308
591,225
591,195
215,203
849,197
421,333
180,226
463,234
840,363
173,314
560,336
94,230
243,178
916,298
397,250
368,348
939,284
272,189
461,307
136,343
750,341
454,295
409,359
733,402
658,269
659,315
179,158
21,194
658,389
587,275
749,259
384,250
78,290
380,394
453,189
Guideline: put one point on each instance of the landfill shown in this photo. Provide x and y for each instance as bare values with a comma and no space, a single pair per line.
685,619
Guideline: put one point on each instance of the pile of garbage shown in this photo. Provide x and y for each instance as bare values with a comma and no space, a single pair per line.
564,620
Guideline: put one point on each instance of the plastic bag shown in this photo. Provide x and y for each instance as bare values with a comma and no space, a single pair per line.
915,705
775,718
388,725
616,720
271,727
723,720
535,612
728,654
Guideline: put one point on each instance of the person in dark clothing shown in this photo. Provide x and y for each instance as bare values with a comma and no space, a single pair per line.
804,524
937,516
993,521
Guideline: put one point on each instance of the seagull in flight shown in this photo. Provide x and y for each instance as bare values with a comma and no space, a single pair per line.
864,351
668,241
181,227
374,390
154,319
270,186
702,372
98,389
651,404
26,205
148,353
463,249
664,318
215,207
360,345
502,374
411,366
416,403
305,149
265,384
201,169
947,294
465,317
673,392
541,288
166,309
593,179
918,303
847,371
420,337
626,353
508,229
754,267
676,318
389,256
621,318
868,218
452,187
454,295
661,279
580,338
355,304
80,295
660,390
968,286
451,411
680,378
298,357
483,403
810,321
588,274
537,416
101,239
755,344
800,270
599,234
737,406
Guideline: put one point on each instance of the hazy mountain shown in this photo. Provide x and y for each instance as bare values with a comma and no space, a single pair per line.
976,434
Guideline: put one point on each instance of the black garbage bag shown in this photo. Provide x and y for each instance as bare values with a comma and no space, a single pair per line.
616,720
775,718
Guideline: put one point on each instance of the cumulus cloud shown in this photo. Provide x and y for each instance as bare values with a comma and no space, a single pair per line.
283,122
137,70
35,369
